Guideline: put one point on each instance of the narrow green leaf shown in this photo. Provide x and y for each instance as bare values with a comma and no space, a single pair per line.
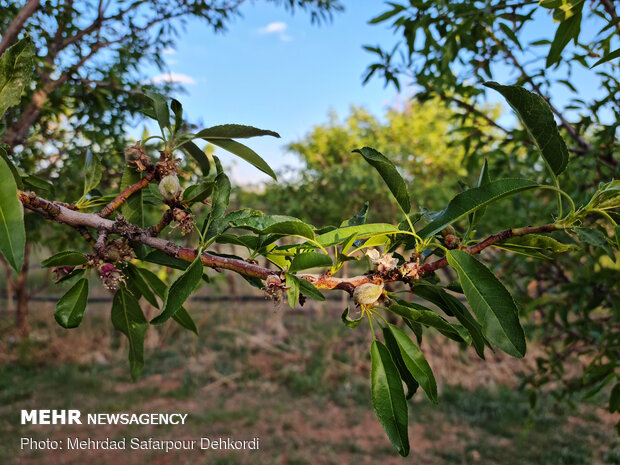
132,272
70,308
221,193
387,15
453,307
14,172
472,199
617,232
92,172
405,374
40,184
595,238
308,260
245,152
363,231
198,192
415,362
65,258
610,56
614,399
537,117
179,291
133,208
292,289
534,244
420,314
234,131
160,258
127,317
16,65
388,397
390,175
308,289
568,30
290,228
492,304
177,109
350,322
12,230
181,316
197,154
160,106
357,219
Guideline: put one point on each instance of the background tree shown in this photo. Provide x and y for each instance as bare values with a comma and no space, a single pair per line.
89,67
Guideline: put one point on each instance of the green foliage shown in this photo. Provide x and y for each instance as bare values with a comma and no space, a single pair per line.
71,306
15,73
127,317
12,232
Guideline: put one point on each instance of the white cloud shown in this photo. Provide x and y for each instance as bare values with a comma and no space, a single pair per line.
173,77
273,28
278,28
168,51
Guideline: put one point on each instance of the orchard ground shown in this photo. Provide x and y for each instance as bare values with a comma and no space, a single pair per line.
297,379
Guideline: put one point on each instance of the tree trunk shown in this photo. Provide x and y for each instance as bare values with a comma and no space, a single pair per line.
21,290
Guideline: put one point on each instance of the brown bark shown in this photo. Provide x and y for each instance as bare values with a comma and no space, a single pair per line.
18,24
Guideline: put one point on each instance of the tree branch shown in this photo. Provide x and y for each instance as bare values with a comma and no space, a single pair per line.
8,37
406,273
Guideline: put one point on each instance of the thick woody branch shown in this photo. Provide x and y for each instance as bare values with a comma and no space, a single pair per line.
8,37
406,273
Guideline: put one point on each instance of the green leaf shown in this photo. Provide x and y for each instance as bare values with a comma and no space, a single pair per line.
453,307
177,109
610,56
492,304
160,258
16,65
290,228
533,244
595,238
308,289
181,316
14,172
388,397
38,183
617,232
160,106
306,260
234,131
65,258
568,30
221,193
336,236
472,199
415,362
12,230
197,154
133,208
180,290
292,291
405,374
70,308
537,117
271,224
127,317
133,274
198,192
245,152
420,314
92,172
357,219
350,322
390,175
388,14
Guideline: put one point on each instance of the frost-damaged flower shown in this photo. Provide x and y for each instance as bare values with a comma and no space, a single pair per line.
383,262
367,294
62,271
111,277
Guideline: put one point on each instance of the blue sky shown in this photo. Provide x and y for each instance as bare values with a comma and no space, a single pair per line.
276,71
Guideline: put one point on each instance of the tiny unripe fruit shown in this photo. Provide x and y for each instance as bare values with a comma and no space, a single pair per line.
169,187
367,294
448,230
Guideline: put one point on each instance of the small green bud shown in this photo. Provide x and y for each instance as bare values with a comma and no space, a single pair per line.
367,294
448,230
169,187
